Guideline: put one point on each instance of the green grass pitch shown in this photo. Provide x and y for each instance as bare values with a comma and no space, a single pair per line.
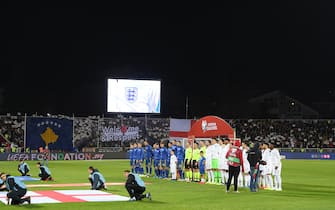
307,184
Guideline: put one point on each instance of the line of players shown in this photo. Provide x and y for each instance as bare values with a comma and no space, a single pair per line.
204,161
156,158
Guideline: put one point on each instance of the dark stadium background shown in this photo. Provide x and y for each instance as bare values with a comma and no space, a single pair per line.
56,60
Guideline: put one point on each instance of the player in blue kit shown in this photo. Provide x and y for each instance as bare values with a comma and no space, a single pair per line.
174,145
135,154
156,156
202,167
180,153
163,160
131,157
148,155
139,158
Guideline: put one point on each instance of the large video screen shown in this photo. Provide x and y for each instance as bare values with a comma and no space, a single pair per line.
133,96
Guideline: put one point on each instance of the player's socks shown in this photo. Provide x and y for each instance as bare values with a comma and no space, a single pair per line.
222,176
209,176
183,174
278,182
212,176
180,174
240,180
216,174
196,176
246,180
263,182
186,175
270,181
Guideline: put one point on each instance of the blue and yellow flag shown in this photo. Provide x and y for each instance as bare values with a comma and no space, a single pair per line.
55,133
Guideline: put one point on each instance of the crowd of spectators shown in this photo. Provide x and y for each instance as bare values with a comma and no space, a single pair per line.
12,132
287,133
89,131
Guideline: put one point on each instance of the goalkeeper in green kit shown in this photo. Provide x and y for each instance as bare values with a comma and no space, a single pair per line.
215,151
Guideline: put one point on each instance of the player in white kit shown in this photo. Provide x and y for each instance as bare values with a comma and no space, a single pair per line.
276,164
244,178
267,170
223,162
173,165
215,160
208,164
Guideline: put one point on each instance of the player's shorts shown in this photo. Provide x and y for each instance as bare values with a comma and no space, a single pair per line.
267,169
167,163
202,170
246,166
148,161
223,164
162,163
261,173
187,164
173,170
156,163
139,163
180,164
276,172
215,163
195,164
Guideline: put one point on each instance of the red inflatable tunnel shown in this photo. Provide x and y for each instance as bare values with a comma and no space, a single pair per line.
211,126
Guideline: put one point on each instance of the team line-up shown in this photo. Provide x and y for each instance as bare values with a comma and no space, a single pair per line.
215,161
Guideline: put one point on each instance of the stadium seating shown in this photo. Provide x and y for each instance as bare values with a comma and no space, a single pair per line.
284,133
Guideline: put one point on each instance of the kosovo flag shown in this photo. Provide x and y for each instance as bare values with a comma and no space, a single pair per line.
55,133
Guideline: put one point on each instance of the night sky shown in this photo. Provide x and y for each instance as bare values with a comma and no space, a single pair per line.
57,60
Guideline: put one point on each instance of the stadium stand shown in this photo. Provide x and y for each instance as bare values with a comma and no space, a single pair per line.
101,132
